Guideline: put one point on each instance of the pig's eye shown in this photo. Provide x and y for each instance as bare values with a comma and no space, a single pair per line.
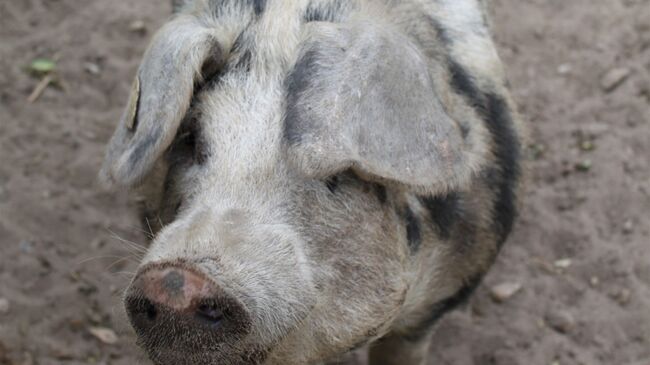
188,146
332,183
349,179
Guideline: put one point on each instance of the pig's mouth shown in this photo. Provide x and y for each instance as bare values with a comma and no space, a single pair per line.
223,357
182,317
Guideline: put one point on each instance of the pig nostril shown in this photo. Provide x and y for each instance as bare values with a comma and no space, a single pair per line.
209,314
151,311
142,312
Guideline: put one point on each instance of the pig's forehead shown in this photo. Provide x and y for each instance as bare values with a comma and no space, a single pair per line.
243,107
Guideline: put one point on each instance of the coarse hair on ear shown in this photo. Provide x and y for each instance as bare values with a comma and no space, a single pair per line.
362,96
180,53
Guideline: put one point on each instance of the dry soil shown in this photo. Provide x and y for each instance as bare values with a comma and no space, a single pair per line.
581,251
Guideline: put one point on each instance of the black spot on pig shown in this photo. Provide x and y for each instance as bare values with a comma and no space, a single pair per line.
413,232
463,84
441,32
243,62
298,81
506,147
258,6
173,283
380,192
444,212
505,176
330,12
223,7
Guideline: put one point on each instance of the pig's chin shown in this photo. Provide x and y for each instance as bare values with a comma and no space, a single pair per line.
205,351
178,351
231,356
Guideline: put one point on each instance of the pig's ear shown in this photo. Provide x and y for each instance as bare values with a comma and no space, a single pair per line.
365,97
180,52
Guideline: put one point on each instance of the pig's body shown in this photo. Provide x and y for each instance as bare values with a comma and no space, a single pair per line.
322,175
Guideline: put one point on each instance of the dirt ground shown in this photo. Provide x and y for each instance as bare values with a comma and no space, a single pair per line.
580,70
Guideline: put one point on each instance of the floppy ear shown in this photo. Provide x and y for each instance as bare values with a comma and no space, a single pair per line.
363,96
160,98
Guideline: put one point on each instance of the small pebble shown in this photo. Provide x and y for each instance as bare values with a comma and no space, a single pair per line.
583,166
92,68
105,335
563,263
614,78
26,246
561,321
564,69
90,135
594,281
628,227
504,291
4,306
622,296
138,26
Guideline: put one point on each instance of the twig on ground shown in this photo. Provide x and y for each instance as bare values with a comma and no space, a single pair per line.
38,90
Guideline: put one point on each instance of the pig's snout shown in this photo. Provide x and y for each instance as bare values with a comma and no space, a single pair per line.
184,294
176,305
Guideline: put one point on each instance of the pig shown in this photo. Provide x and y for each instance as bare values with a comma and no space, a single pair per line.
321,176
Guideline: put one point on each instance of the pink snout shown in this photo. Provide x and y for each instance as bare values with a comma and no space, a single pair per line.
175,306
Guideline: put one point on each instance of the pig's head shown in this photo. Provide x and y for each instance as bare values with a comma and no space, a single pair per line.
277,156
